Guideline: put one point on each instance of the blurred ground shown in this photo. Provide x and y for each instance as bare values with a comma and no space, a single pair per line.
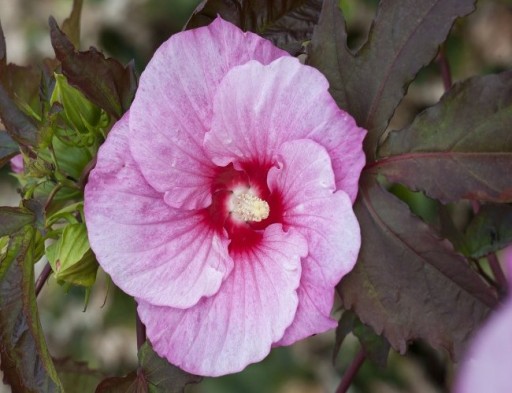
104,335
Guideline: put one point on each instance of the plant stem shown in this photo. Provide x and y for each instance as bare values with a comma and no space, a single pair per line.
351,372
43,277
141,331
54,192
487,277
500,280
446,73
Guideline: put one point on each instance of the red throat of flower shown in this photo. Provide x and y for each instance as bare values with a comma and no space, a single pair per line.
243,205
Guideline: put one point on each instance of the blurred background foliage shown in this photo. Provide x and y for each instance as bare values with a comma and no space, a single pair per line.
103,336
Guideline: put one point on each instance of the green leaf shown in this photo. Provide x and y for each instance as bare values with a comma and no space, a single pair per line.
25,361
4,242
8,148
407,280
77,377
376,347
461,148
162,376
131,383
71,257
72,159
154,375
79,113
370,84
12,219
103,81
489,231
287,23
71,26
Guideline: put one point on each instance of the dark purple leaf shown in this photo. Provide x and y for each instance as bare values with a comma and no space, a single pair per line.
404,37
77,377
8,148
71,25
287,23
408,283
103,81
18,125
22,85
376,347
154,375
18,85
461,148
12,219
25,361
131,383
162,376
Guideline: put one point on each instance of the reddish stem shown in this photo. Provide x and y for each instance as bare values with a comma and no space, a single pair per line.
85,173
141,331
446,74
351,372
43,277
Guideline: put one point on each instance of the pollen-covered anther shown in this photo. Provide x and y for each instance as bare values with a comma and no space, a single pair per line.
248,207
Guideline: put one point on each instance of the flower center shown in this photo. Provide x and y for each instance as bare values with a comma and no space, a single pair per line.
246,206
243,205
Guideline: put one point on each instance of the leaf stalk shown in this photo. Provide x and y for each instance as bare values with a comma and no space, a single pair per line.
141,331
43,277
351,372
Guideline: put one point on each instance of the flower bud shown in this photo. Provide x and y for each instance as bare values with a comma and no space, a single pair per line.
71,257
79,114
17,165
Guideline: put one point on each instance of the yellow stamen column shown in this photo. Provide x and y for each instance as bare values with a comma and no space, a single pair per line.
248,207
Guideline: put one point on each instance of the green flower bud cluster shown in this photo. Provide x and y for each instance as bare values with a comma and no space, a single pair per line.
71,257
82,120
71,129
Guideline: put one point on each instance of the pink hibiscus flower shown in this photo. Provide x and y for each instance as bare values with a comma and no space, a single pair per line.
487,365
223,201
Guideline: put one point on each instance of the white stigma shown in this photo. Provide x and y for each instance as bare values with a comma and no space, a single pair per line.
248,207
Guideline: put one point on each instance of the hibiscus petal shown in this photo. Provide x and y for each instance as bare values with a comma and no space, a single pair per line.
226,332
487,365
259,107
139,240
173,107
324,216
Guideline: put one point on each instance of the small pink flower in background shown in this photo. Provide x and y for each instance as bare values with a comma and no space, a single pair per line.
17,163
487,366
223,201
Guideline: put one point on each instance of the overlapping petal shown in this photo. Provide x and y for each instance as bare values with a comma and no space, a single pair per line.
257,108
486,367
173,107
324,216
152,251
235,327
